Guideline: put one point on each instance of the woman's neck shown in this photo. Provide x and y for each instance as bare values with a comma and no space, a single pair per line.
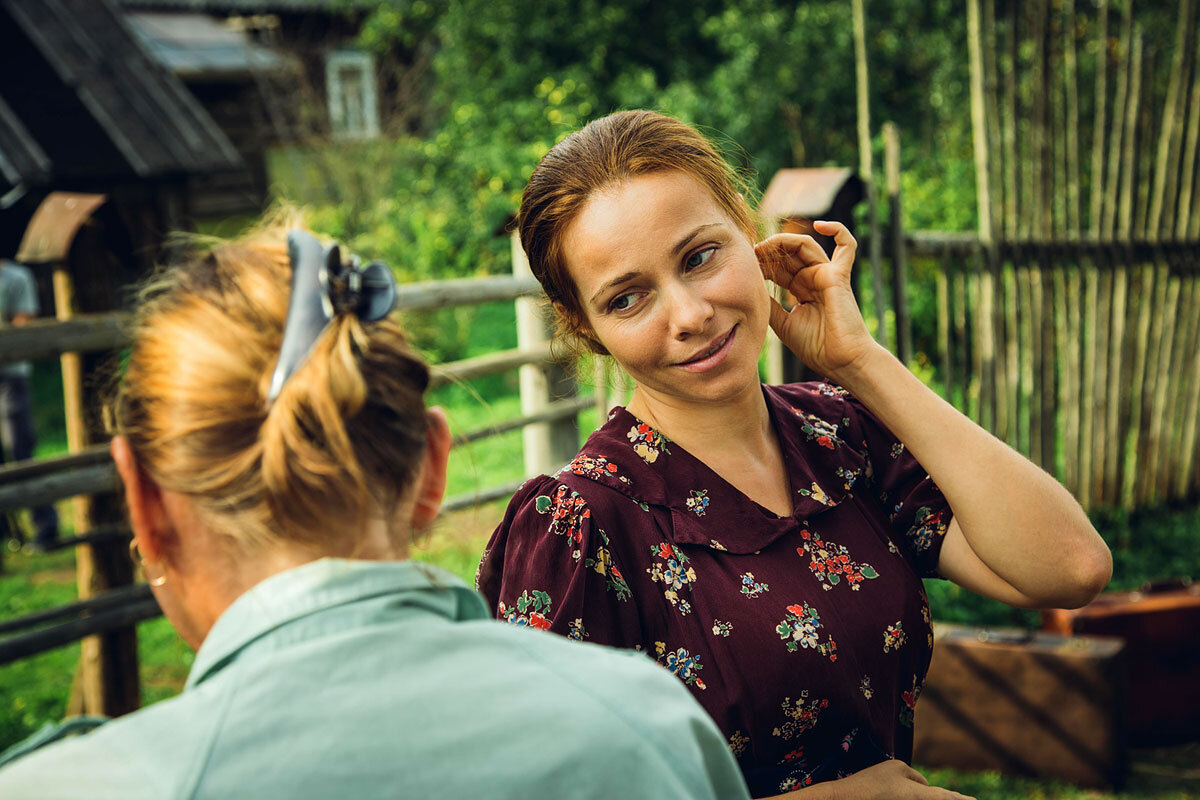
741,425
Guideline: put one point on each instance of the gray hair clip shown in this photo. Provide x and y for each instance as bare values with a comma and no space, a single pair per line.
323,286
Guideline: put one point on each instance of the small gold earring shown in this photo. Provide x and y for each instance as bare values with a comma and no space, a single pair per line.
136,555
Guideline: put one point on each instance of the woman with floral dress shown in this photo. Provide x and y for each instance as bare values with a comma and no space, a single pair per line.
765,544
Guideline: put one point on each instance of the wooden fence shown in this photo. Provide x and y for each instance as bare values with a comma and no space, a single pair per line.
1069,325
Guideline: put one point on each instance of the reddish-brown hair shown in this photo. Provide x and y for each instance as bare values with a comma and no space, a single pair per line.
604,152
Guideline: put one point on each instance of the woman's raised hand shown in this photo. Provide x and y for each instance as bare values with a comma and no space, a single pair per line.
825,329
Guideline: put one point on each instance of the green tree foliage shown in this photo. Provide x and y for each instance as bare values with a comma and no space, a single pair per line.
773,80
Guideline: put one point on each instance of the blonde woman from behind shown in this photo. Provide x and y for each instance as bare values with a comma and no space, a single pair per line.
277,457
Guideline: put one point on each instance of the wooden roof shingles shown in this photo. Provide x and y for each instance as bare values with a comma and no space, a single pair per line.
21,159
95,73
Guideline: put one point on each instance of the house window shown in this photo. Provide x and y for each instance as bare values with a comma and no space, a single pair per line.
353,99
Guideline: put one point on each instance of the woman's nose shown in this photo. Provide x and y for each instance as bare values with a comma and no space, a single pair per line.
690,312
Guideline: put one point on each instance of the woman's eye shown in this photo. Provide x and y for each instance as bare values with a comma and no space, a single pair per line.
623,302
699,258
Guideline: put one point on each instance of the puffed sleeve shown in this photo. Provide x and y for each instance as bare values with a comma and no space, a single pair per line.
918,511
552,565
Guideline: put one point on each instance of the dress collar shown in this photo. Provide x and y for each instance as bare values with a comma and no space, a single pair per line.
630,456
323,584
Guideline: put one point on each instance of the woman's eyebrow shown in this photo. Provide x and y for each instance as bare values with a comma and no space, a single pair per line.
687,239
617,281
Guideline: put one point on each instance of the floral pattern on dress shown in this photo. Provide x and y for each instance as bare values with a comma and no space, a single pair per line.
830,562
802,715
683,664
817,494
595,467
674,572
697,503
738,742
849,476
717,545
897,449
929,524
817,430
801,628
722,628
894,637
602,563
647,442
529,610
751,587
909,698
829,390
864,686
568,512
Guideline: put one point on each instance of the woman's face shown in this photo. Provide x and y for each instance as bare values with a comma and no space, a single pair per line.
670,286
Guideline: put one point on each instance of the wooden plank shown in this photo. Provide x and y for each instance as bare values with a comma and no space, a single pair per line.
1163,385
1099,400
891,144
1150,378
1009,125
979,129
1185,482
1012,354
1026,324
110,599
558,410
1171,460
1049,364
1129,159
1160,204
1065,402
51,488
489,364
1118,395
866,172
1187,171
429,295
35,468
975,390
45,338
962,338
1070,137
21,646
1100,117
1073,379
472,499
945,358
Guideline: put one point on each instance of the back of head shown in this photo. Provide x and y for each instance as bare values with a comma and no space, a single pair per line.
342,442
604,152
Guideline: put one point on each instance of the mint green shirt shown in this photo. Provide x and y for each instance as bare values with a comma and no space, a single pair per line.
356,679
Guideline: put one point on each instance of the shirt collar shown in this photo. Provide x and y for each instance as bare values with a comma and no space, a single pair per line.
322,584
633,458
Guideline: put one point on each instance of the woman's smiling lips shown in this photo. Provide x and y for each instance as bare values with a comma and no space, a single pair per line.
711,357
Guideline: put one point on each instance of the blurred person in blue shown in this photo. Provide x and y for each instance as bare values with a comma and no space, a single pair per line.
277,457
19,305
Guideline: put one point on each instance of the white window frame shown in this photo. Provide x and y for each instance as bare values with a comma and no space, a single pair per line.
364,63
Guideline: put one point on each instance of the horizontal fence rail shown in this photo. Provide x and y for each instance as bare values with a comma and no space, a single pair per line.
92,333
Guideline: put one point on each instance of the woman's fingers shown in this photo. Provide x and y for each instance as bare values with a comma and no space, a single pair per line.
785,254
845,245
778,317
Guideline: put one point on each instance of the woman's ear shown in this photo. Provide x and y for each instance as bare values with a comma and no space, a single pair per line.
432,488
147,513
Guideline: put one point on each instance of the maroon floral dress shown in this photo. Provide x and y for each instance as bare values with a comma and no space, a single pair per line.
806,637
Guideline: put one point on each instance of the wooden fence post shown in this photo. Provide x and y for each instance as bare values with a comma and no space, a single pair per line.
875,244
891,145
100,686
547,445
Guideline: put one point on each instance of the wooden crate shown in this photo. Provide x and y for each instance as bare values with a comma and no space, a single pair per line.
1028,704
